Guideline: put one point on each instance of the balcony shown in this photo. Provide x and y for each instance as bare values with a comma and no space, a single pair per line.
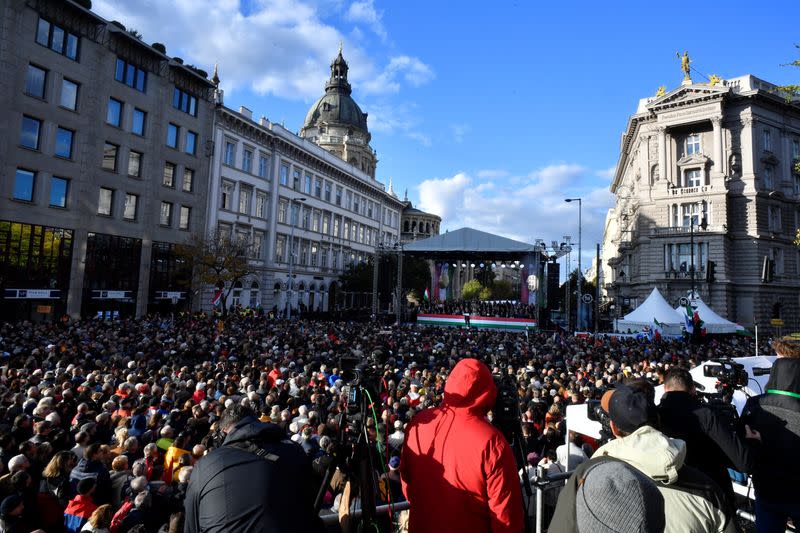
684,230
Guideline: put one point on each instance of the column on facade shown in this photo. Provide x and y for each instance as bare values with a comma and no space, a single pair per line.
719,163
77,271
748,148
662,153
143,291
786,157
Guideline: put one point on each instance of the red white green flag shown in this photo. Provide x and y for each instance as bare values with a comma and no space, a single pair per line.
427,295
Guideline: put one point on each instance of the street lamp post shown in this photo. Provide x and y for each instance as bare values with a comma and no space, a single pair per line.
580,265
703,224
290,284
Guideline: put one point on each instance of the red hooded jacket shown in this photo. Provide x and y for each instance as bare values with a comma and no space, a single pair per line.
457,470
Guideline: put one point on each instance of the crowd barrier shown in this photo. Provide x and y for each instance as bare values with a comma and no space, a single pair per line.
477,321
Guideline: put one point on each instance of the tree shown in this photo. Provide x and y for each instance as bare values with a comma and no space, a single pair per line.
792,90
217,260
134,33
472,290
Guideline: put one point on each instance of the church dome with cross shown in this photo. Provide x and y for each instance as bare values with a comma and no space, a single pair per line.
335,122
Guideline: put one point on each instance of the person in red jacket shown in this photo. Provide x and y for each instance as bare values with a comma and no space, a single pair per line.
457,470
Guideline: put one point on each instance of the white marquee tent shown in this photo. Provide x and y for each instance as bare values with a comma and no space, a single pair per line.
712,322
655,307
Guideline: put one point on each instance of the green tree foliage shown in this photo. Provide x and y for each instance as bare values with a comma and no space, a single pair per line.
471,290
501,290
358,277
485,294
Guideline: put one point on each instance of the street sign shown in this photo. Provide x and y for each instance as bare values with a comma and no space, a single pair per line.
778,322
170,295
111,295
587,298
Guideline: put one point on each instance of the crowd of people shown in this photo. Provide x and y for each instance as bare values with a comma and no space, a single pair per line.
103,423
500,309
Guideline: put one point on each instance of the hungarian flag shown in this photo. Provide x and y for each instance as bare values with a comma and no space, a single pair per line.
217,299
655,330
689,319
427,295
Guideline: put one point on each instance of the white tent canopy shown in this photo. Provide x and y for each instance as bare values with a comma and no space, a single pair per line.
712,322
655,307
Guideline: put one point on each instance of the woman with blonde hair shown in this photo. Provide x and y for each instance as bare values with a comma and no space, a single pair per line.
100,521
55,490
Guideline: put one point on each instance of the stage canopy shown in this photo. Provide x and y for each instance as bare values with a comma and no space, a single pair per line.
467,243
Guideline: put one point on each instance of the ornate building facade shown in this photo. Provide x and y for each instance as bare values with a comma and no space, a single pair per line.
707,196
305,209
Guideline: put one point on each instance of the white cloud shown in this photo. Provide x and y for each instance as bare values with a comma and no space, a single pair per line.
409,69
364,12
533,207
282,47
397,119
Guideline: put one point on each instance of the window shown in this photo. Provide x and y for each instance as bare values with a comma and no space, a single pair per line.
346,229
795,148
184,101
774,218
327,191
57,39
263,163
131,201
338,195
188,180
693,144
306,218
769,182
169,175
172,135
58,191
767,140
244,200
105,201
296,180
261,204
258,248
326,223
693,178
24,181
35,81
230,153
357,203
225,231
369,208
110,156
336,226
137,125
64,142
247,161
165,218
315,221
777,258
307,184
226,195
280,248
314,253
348,200
186,216
29,136
69,94
282,205
130,75
191,143
284,177
114,115
134,164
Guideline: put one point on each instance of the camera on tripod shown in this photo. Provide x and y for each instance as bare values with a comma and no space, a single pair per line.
730,377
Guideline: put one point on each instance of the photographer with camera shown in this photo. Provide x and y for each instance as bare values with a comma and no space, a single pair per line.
691,501
457,470
776,414
712,443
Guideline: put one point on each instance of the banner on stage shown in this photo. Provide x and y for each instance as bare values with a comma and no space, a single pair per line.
475,321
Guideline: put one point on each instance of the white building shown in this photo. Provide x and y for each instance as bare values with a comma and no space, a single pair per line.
264,178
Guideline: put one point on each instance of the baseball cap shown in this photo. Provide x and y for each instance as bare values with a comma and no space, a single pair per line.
629,407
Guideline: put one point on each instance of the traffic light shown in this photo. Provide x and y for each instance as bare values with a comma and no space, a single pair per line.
711,267
767,270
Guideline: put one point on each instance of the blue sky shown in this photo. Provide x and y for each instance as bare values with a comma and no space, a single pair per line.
489,114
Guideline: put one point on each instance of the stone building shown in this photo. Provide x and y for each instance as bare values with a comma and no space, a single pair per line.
416,224
706,178
104,167
269,185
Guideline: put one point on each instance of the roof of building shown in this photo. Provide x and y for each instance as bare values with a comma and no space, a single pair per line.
469,241
336,106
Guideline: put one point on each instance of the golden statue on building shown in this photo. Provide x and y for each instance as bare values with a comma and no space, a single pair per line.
661,91
714,79
685,65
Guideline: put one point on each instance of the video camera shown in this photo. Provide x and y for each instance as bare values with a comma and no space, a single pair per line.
596,413
730,376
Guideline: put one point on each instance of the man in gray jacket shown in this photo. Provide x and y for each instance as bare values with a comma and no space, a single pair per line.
692,502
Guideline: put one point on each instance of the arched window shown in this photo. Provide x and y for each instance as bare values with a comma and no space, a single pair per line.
255,294
405,226
237,293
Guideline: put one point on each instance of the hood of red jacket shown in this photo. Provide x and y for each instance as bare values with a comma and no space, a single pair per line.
470,386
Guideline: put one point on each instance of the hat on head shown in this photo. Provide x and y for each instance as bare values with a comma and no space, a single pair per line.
629,407
394,462
9,504
614,497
